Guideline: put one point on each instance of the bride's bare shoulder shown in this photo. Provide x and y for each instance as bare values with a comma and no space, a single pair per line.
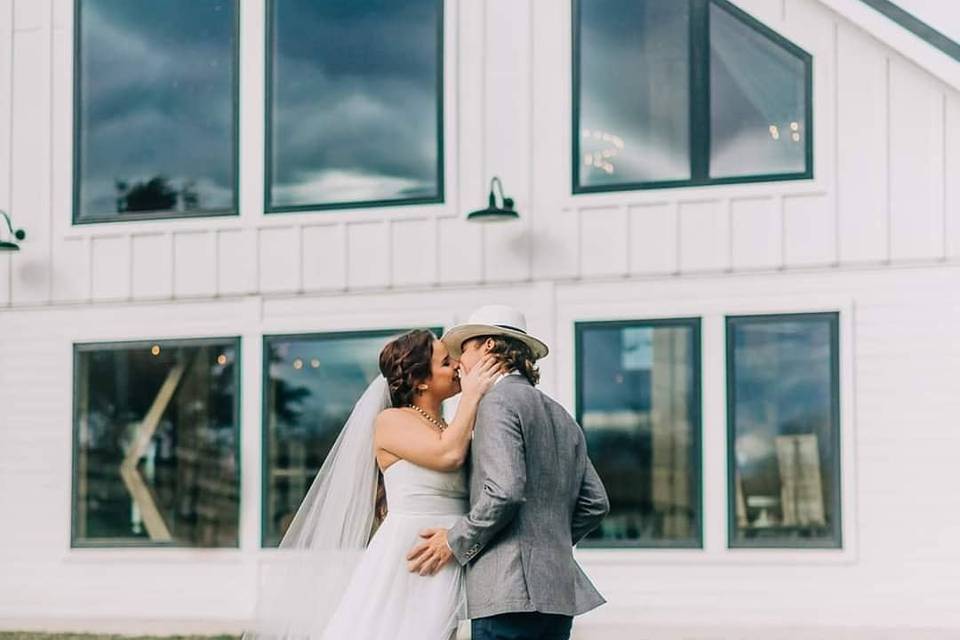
392,418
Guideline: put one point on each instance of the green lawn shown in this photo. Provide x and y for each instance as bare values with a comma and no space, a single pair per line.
29,635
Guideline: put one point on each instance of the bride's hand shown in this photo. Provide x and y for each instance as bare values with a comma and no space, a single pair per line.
481,377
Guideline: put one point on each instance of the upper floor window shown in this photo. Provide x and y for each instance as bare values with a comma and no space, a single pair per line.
355,103
156,109
672,93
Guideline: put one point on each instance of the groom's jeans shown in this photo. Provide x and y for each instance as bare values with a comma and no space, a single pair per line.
522,626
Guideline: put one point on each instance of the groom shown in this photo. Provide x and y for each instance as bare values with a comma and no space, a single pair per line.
533,495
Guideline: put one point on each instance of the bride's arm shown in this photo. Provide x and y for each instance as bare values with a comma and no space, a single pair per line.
406,435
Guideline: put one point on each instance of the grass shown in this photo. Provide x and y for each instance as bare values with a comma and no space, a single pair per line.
31,635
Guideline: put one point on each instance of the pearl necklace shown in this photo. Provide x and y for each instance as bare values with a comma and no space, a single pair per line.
440,424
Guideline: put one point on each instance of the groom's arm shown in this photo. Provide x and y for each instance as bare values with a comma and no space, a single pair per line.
499,458
592,505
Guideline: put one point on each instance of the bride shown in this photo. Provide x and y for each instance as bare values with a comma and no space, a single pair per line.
395,470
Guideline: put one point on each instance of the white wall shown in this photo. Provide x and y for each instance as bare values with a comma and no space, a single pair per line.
876,236
887,136
900,565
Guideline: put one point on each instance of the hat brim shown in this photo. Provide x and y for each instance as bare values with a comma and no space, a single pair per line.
456,336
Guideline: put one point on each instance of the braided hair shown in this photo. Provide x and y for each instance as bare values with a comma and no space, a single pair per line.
406,362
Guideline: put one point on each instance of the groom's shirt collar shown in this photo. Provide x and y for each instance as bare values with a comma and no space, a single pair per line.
504,375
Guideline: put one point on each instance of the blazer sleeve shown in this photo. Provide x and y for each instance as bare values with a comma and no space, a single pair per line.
592,505
498,456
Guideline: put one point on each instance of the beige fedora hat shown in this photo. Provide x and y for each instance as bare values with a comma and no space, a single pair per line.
493,320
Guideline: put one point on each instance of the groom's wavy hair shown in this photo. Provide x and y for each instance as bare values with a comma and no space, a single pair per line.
515,355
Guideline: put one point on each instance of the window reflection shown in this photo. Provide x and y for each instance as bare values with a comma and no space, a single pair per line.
156,444
156,111
784,430
634,95
638,401
311,384
685,92
757,102
355,109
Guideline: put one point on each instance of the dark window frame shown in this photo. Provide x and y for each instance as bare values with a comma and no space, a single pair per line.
266,341
694,323
269,208
699,52
836,473
152,215
81,347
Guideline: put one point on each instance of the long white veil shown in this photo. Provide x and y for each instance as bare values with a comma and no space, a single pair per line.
301,583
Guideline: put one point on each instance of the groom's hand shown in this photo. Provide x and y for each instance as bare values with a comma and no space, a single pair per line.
429,556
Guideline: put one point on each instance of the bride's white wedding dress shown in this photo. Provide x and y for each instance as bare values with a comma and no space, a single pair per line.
384,600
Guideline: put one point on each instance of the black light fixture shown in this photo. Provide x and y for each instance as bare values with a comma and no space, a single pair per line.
15,234
493,213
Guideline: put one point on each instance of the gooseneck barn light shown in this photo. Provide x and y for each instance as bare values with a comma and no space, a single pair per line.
494,213
15,234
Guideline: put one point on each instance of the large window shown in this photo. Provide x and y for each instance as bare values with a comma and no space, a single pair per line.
156,109
311,383
638,399
671,93
156,458
355,103
783,421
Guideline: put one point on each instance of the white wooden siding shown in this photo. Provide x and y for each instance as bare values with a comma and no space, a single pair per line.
886,146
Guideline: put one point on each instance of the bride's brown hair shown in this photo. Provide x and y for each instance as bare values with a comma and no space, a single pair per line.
406,361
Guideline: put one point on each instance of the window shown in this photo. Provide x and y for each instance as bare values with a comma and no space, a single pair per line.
155,109
311,383
671,93
355,103
638,399
156,458
783,431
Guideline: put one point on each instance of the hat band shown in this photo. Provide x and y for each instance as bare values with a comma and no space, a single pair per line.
506,326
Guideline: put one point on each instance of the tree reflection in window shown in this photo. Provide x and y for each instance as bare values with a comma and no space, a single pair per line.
311,383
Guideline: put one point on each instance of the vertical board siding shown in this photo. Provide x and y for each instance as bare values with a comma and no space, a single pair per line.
194,264
110,267
704,236
756,233
368,254
152,270
506,126
654,239
280,261
324,257
862,143
236,261
809,231
6,131
885,154
916,164
413,252
603,241
952,174
30,148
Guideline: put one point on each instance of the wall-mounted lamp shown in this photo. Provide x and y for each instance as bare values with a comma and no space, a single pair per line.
493,213
15,234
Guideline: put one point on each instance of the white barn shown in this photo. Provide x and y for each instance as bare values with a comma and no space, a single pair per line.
760,338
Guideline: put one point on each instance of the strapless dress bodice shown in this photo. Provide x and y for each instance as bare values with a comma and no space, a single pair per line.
415,490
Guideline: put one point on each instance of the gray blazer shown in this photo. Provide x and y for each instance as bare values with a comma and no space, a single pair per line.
533,495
